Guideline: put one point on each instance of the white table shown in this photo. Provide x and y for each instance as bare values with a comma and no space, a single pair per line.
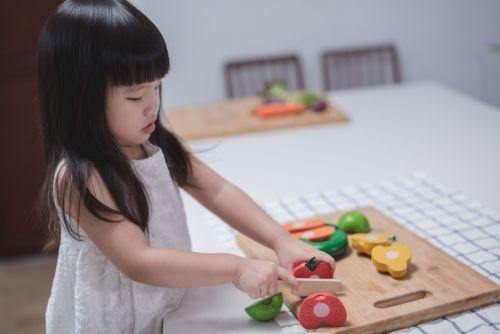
392,131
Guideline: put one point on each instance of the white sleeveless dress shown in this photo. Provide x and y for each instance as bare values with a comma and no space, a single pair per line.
90,295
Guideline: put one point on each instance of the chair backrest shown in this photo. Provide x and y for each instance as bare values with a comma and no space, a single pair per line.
366,66
250,76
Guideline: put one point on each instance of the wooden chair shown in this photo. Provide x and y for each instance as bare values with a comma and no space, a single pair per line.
358,67
250,76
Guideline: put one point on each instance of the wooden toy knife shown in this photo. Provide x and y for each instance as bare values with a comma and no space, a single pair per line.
308,286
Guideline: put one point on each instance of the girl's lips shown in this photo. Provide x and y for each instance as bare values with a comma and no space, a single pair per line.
150,127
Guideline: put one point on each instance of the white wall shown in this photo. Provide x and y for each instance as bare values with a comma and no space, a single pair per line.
442,40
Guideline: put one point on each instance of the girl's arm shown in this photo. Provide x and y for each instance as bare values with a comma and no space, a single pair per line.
233,205
128,249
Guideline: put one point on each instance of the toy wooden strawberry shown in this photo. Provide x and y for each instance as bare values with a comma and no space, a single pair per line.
313,269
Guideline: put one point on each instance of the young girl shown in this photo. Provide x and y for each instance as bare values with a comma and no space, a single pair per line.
111,186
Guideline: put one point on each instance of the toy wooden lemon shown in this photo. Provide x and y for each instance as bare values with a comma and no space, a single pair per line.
393,259
364,243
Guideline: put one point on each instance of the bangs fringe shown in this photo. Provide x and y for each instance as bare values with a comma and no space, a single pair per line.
132,69
135,52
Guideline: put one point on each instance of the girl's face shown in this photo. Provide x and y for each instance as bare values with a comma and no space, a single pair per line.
131,113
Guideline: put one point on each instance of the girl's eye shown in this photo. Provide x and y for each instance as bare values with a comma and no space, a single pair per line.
134,98
137,99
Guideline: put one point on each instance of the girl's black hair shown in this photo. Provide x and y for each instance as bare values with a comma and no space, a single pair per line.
86,46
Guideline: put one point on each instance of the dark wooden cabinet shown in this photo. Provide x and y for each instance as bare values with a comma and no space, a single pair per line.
21,161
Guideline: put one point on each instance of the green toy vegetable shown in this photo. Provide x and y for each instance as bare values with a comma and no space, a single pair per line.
354,222
312,100
336,245
265,309
276,92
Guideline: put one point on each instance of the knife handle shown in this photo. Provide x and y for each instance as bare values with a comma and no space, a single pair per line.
308,286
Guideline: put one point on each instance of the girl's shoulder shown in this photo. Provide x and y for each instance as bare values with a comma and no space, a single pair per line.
66,194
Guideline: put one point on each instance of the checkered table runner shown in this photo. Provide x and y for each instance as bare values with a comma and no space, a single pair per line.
445,217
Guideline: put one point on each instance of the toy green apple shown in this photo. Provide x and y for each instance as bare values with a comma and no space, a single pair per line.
265,309
354,222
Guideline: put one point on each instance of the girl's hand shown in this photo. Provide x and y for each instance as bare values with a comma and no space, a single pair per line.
260,278
291,252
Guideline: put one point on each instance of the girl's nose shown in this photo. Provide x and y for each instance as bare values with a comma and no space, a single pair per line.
153,103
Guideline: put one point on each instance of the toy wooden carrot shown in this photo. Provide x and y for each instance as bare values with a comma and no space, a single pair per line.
278,109
315,234
304,225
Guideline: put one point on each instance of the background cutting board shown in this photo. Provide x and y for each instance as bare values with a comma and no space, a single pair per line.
235,117
436,284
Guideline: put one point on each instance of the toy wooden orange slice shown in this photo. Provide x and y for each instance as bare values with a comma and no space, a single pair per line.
317,234
393,259
304,225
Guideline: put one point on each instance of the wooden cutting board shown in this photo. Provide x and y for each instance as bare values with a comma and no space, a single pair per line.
234,117
436,284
